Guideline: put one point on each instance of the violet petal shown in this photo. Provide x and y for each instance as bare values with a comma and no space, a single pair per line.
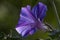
39,10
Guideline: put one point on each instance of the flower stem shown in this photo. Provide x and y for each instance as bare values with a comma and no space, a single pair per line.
56,13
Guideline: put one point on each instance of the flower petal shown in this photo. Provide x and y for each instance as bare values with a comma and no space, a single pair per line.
25,17
20,29
26,31
27,13
39,10
32,31
28,7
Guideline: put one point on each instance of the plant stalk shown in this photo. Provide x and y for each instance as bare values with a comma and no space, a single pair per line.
56,13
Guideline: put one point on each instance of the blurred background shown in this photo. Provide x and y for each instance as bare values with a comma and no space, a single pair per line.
9,14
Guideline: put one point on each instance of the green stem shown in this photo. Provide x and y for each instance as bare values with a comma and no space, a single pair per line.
56,13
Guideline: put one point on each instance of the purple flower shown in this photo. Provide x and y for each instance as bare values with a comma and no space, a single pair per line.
31,20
